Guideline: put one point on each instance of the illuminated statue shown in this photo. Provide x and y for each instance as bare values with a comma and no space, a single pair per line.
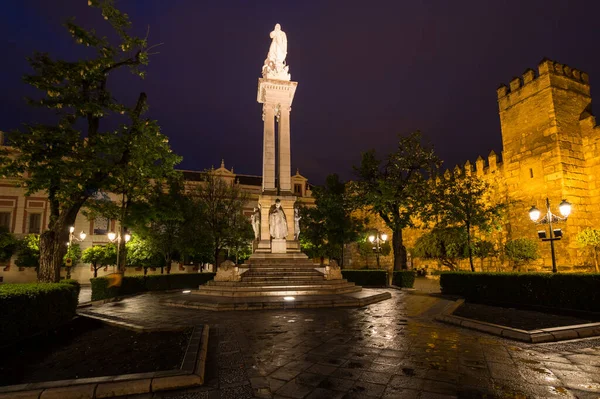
297,218
274,67
277,221
255,220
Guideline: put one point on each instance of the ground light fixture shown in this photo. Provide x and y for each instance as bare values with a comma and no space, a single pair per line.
289,298
187,291
554,234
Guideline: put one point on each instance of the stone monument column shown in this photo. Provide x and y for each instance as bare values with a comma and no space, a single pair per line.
268,181
285,161
276,93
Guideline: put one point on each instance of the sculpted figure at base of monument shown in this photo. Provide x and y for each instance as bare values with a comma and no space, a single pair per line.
277,221
333,271
227,271
297,218
255,221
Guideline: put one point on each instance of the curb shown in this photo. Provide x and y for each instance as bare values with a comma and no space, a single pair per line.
191,374
530,336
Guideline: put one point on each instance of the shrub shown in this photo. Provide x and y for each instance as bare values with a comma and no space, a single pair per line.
366,278
8,244
136,284
521,251
404,278
28,309
576,291
28,252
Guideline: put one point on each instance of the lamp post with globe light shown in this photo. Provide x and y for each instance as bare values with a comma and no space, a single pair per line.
378,239
554,234
69,261
112,236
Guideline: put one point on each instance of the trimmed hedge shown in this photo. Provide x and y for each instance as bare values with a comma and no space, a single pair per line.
136,284
576,291
28,309
404,278
366,278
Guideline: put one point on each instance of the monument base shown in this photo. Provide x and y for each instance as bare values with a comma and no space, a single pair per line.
278,246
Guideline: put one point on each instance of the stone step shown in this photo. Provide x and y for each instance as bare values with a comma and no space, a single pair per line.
275,283
274,291
294,273
282,278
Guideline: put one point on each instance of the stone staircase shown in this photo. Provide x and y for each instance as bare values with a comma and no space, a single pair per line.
278,275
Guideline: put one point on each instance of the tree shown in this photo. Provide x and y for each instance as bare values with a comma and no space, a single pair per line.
140,253
161,219
223,204
521,251
330,224
590,239
396,188
100,256
239,241
8,244
463,200
71,164
483,249
28,252
313,235
365,249
447,245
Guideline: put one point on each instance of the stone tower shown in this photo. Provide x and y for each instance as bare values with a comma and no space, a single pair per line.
543,145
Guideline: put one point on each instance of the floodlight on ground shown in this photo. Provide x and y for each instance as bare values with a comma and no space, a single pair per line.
111,235
534,214
384,237
288,298
565,208
71,229
557,233
541,234
82,235
187,291
372,238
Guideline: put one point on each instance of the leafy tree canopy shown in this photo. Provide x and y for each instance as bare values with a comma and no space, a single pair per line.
590,239
447,245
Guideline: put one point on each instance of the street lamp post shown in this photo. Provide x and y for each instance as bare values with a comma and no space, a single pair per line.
69,261
117,237
549,218
378,239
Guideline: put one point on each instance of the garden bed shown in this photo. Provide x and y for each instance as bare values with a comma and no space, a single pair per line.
518,318
89,348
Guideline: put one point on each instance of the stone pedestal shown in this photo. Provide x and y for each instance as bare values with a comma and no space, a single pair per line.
278,246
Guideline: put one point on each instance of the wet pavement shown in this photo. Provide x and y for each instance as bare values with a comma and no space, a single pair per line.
392,349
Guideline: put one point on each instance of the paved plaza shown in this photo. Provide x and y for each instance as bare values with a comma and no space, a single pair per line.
392,349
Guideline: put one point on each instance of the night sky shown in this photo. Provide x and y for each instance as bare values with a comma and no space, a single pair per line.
367,70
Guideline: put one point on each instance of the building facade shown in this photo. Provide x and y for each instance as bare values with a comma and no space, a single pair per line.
23,215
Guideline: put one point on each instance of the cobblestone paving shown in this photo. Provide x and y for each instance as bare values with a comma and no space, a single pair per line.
392,349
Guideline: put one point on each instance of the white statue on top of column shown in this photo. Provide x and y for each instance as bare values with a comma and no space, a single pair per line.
275,67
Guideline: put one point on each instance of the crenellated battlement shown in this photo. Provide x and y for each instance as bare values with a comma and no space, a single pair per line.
546,67
482,168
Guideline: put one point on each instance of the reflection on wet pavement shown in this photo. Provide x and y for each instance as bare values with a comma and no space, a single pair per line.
392,349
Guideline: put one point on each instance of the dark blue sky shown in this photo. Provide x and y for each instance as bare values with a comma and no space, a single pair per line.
367,70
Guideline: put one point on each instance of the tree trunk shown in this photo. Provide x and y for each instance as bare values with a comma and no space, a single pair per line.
95,271
217,250
596,260
469,248
399,251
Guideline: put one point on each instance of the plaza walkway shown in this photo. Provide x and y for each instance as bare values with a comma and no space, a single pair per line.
392,349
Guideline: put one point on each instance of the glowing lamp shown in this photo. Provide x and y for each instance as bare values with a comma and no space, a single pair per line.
112,236
372,238
82,235
288,298
127,237
71,229
565,208
384,237
534,214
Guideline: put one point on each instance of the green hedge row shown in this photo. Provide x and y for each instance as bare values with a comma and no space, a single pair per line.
404,278
366,278
568,291
135,284
27,309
